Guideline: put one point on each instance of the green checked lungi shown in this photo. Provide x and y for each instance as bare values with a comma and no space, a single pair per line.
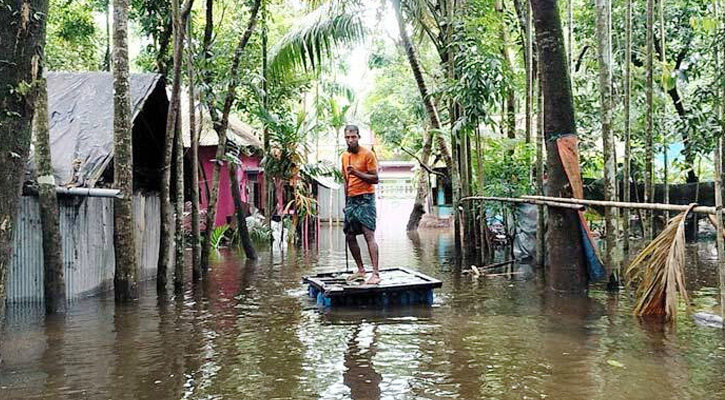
359,212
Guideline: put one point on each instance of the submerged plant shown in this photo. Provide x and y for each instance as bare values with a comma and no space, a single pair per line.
659,269
217,235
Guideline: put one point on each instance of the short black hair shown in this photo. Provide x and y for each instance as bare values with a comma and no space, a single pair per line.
352,128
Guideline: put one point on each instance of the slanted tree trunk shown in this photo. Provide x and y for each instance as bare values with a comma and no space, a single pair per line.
567,268
221,128
627,122
422,193
178,23
126,275
194,156
648,148
241,213
605,91
430,108
53,280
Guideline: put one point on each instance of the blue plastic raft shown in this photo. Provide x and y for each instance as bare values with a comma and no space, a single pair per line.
398,287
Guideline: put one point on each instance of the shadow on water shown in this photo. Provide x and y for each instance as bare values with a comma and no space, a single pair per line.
250,332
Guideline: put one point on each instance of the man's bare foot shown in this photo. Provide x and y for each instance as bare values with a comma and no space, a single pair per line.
374,280
358,275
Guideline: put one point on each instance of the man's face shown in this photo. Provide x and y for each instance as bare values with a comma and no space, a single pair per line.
351,138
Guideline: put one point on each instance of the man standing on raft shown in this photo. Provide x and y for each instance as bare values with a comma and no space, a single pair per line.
360,169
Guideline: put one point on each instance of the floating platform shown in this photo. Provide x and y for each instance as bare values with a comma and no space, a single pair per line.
398,287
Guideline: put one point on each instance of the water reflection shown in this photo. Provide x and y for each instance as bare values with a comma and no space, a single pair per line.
250,332
360,375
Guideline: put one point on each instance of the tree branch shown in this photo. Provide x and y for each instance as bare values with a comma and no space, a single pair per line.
420,162
581,57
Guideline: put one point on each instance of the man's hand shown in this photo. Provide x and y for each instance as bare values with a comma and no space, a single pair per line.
351,170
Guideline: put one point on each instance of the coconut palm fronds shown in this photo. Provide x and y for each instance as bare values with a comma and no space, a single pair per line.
659,269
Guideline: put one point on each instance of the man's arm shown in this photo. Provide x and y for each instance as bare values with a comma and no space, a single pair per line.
371,176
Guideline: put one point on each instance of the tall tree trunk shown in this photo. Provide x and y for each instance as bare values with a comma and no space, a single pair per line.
528,58
53,280
525,25
194,156
430,108
567,268
221,129
241,212
21,40
718,161
570,36
663,110
648,148
540,161
510,93
178,22
627,122
458,177
126,274
268,180
107,55
605,90
162,62
419,205
179,207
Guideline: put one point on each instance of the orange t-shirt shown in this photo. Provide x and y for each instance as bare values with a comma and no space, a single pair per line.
364,160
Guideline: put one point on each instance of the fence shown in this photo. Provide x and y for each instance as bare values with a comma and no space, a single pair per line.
86,225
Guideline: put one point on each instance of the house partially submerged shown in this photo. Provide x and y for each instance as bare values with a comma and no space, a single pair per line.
249,175
80,109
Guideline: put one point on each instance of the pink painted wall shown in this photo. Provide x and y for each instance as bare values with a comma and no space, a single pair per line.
225,204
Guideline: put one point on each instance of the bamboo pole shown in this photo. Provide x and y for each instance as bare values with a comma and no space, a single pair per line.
525,200
621,204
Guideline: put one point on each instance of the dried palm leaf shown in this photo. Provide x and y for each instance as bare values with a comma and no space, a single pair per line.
659,269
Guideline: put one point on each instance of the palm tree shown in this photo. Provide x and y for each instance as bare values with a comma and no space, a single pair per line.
337,23
314,38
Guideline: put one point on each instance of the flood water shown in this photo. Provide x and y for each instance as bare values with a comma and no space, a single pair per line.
250,332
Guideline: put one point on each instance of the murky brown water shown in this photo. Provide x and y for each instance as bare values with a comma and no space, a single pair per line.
251,333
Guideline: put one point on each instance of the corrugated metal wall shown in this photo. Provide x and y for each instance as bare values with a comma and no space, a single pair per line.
330,202
86,226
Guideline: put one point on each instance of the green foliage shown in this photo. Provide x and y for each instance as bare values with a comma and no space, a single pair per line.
217,235
315,36
288,143
507,167
394,107
258,231
74,41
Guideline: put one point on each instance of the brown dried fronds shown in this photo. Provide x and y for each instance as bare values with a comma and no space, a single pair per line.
659,270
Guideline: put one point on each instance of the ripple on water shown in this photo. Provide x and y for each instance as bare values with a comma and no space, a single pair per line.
250,332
